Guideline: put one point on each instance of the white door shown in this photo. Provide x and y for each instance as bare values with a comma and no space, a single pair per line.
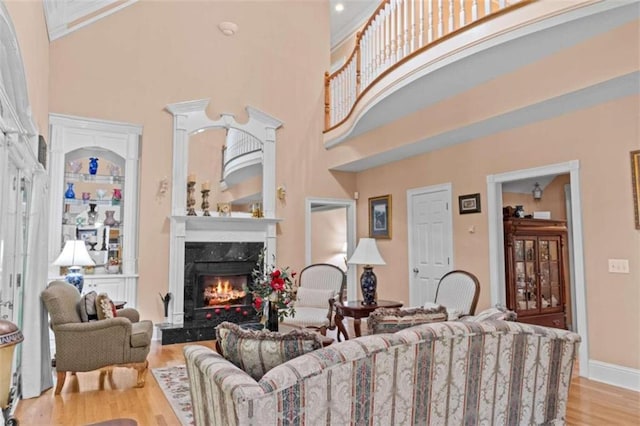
430,240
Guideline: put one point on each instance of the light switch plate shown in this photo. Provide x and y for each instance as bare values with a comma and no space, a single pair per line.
619,266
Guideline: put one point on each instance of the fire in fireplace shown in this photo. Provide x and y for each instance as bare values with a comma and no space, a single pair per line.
223,290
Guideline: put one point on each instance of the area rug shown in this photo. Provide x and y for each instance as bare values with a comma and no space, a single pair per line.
175,385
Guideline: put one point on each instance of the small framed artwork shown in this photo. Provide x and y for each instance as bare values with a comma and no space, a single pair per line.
380,217
88,235
635,182
469,203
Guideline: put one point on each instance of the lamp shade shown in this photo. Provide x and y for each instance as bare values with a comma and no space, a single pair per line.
74,253
366,253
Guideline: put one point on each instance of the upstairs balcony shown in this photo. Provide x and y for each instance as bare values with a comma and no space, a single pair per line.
463,69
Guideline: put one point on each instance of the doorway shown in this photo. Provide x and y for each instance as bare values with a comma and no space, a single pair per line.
321,246
430,240
574,220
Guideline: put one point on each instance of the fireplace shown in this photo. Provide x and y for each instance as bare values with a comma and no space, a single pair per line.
215,278
204,250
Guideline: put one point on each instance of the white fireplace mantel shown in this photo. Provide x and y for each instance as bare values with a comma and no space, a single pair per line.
189,118
186,229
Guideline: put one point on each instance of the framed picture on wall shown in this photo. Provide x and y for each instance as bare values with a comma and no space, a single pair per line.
380,217
635,182
469,203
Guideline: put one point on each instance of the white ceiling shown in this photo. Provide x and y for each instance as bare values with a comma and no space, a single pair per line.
354,15
525,186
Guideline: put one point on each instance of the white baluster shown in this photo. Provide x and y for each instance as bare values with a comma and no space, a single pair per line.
421,19
502,4
430,22
463,16
440,19
451,21
414,34
392,33
405,9
387,36
487,7
380,44
474,11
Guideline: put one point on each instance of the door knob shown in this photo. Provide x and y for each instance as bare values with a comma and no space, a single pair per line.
416,270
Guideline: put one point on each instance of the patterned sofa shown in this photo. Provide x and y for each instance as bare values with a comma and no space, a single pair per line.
456,372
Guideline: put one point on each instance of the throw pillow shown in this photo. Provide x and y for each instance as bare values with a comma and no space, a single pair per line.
314,298
495,313
105,307
257,352
390,320
87,307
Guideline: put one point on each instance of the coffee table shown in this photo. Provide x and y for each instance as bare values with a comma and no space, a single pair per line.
356,310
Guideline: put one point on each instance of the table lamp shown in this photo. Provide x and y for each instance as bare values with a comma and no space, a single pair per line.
367,254
74,255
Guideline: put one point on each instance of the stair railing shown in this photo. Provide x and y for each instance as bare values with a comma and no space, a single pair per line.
397,31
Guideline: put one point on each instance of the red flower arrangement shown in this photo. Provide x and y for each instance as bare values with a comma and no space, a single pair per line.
273,285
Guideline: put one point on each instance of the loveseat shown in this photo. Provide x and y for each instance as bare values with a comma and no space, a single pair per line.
455,372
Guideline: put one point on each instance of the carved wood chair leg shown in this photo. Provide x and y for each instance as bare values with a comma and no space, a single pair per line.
142,371
60,382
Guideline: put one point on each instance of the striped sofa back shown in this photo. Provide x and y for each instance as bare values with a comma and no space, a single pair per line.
453,372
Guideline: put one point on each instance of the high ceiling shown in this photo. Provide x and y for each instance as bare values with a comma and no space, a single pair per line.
354,14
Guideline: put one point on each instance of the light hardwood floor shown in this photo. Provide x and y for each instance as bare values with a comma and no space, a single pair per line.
81,402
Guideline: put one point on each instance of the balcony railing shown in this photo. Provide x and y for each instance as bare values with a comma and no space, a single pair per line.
397,31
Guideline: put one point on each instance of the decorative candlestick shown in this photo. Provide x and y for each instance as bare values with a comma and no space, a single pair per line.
191,199
205,202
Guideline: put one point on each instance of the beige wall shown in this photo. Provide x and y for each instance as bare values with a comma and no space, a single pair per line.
553,199
600,138
28,20
129,66
329,236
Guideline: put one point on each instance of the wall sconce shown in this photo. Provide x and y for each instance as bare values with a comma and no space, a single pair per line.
282,192
537,192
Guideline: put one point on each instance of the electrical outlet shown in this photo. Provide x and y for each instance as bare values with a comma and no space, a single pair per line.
619,266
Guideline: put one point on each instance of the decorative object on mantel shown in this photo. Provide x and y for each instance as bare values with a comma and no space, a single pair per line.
273,293
205,201
93,165
367,254
224,209
191,199
256,210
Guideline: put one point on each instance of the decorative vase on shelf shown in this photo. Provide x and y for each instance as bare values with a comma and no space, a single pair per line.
75,166
109,219
117,195
93,165
519,212
70,193
91,214
272,317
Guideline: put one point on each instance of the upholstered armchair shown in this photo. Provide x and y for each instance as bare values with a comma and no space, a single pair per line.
122,341
319,286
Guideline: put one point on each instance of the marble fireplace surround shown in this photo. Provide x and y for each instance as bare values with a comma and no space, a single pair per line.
211,229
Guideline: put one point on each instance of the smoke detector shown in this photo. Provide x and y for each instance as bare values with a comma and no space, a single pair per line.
228,28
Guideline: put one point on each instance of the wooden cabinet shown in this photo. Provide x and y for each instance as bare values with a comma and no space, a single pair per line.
536,271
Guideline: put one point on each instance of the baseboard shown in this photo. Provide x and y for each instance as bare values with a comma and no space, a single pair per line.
616,375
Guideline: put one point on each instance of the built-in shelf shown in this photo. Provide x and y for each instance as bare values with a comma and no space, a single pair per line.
86,177
76,202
